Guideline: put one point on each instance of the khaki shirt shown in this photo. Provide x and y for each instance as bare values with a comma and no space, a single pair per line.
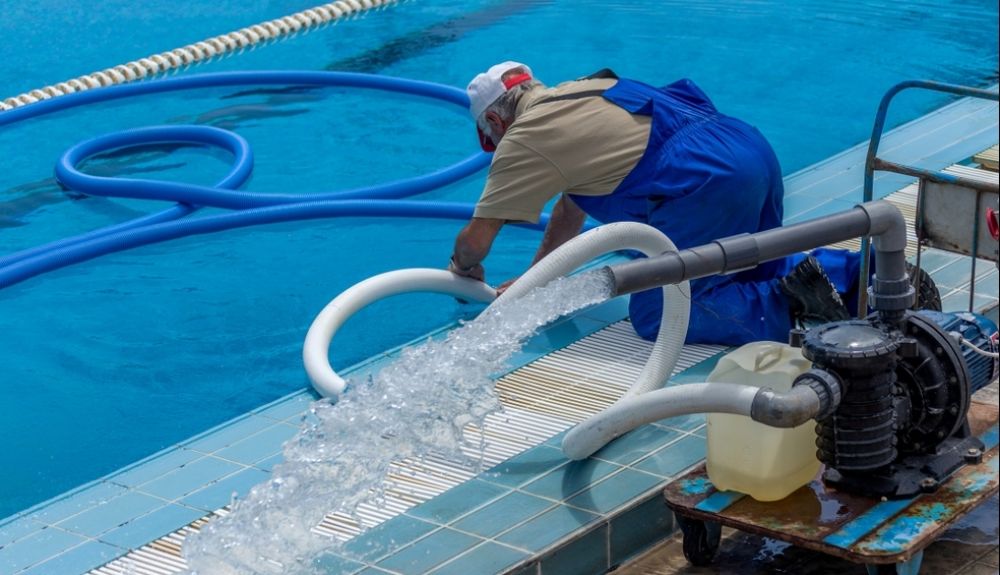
582,146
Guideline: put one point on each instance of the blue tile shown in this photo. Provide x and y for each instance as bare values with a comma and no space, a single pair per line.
502,514
374,571
570,479
954,275
609,312
797,205
488,557
615,491
220,493
77,501
587,553
385,537
190,478
269,463
569,331
228,433
636,444
686,423
288,408
18,528
154,467
556,442
932,260
36,548
457,501
817,210
151,526
334,564
111,514
544,530
429,552
259,446
526,466
79,559
988,283
958,300
640,527
552,338
675,458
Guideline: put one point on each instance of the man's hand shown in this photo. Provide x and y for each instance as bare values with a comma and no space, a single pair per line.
503,287
472,245
475,271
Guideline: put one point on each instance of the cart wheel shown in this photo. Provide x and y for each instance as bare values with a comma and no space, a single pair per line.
908,567
701,540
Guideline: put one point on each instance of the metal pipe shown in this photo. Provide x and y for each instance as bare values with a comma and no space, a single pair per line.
728,255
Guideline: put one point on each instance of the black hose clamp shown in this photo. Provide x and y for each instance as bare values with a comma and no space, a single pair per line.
827,387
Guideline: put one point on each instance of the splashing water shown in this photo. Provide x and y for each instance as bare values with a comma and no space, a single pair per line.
417,405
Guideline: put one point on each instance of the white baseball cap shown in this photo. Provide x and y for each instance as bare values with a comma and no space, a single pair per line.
485,88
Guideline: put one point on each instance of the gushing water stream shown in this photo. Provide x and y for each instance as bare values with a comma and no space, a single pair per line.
417,405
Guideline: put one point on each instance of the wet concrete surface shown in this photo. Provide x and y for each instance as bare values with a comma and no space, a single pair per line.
749,554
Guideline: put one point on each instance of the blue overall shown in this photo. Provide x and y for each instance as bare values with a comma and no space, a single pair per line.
706,176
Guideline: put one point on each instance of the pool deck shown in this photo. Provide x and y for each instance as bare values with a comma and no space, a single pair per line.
531,511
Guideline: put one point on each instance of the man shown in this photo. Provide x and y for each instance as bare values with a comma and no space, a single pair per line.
620,150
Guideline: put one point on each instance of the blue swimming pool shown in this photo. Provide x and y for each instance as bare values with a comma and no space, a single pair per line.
108,361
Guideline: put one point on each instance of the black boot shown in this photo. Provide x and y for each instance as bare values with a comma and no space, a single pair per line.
928,296
812,298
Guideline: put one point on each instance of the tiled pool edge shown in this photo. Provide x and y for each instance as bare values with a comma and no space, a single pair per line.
42,534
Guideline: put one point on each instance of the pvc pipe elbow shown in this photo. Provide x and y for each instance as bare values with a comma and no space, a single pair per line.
789,409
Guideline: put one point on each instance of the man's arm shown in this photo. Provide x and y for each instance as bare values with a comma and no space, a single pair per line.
472,246
564,224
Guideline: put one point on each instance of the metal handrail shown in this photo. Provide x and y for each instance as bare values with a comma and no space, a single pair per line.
873,162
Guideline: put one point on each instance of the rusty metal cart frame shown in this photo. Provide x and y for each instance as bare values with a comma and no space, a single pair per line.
873,163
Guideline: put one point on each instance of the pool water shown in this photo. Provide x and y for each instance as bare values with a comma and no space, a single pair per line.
111,360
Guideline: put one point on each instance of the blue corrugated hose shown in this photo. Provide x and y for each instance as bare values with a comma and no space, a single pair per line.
250,208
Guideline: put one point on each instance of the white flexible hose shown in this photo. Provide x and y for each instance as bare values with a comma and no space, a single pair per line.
199,52
562,261
609,238
977,349
631,412
315,350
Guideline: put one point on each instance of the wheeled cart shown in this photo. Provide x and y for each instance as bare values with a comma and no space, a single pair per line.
887,536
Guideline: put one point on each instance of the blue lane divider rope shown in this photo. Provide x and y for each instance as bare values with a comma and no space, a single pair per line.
250,208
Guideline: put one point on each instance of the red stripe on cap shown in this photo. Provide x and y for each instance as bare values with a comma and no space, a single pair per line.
515,80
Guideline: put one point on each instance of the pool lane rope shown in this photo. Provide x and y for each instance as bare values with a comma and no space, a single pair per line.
200,52
246,208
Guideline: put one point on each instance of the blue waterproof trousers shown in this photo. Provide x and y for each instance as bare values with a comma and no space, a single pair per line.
706,176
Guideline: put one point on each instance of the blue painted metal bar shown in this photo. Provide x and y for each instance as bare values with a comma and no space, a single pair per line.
872,162
920,520
902,529
719,501
855,530
883,109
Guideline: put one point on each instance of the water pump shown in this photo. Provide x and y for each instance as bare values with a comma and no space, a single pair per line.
899,394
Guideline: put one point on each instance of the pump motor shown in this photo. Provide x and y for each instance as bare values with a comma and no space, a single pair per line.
901,392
